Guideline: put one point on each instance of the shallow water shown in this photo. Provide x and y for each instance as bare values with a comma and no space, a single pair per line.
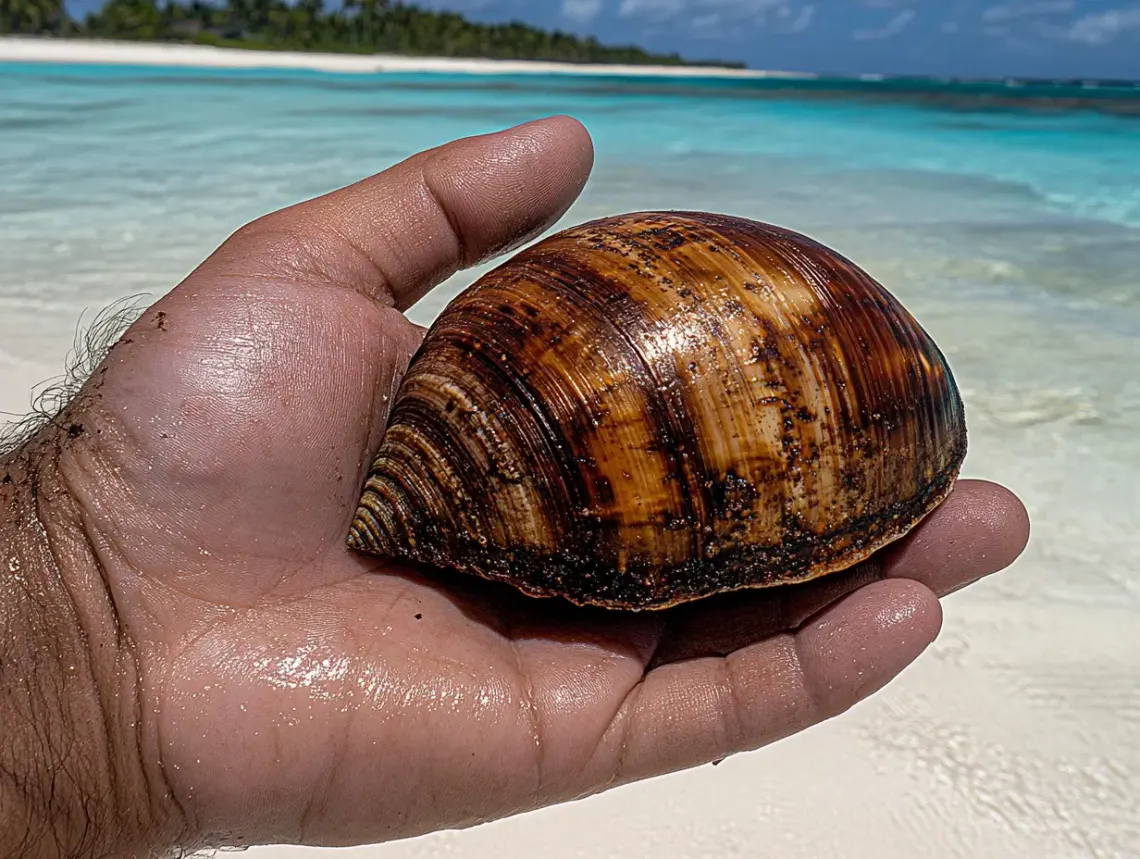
1013,235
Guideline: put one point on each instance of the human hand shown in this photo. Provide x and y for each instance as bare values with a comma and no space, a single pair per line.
254,681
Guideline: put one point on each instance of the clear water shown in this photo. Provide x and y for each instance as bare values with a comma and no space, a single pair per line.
1013,234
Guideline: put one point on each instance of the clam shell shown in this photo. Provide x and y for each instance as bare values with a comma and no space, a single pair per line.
658,407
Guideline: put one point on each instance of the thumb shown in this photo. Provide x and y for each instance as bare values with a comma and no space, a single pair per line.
255,390
395,235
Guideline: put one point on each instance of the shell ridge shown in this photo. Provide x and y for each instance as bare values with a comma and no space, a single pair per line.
762,250
418,444
759,257
707,320
679,445
548,435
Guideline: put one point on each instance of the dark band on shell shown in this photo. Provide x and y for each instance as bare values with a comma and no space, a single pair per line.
653,408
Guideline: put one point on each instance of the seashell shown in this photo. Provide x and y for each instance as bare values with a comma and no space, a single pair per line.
654,408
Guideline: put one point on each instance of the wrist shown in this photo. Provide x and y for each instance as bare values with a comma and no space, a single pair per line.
79,770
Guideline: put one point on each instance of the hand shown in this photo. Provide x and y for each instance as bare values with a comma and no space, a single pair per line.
260,683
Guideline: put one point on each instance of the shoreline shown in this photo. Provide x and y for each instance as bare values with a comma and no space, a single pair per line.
23,49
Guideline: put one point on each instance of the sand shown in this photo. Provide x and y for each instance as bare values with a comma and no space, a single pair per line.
13,49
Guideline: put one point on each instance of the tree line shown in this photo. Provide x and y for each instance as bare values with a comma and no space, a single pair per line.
356,26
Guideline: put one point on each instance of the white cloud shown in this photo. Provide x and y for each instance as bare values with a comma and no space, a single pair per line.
1021,9
742,8
657,10
894,27
738,5
784,16
802,21
462,5
1103,27
582,11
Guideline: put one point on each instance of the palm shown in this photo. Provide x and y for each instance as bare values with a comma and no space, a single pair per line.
304,693
256,481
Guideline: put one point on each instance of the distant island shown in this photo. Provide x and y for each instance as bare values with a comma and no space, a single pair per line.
357,27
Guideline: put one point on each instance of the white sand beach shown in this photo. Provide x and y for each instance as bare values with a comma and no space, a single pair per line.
1017,735
29,50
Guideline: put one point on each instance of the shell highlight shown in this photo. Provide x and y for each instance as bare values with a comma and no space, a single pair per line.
654,408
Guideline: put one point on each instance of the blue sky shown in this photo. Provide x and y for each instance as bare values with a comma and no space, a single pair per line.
1038,38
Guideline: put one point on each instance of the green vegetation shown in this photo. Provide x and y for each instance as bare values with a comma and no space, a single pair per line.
357,26
33,16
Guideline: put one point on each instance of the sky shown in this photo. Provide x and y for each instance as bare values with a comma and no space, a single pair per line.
965,38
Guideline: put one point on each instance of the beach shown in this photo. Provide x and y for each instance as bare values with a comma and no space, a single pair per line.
1014,237
81,52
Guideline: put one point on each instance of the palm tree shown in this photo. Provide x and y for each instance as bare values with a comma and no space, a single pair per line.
33,17
129,19
367,21
358,25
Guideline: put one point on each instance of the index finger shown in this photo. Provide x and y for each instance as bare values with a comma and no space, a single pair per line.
981,529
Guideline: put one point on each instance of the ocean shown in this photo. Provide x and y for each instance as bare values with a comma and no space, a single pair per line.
1005,216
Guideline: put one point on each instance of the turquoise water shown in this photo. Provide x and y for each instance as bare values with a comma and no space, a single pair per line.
1009,224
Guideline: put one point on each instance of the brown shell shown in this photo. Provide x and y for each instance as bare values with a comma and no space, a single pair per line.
657,407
